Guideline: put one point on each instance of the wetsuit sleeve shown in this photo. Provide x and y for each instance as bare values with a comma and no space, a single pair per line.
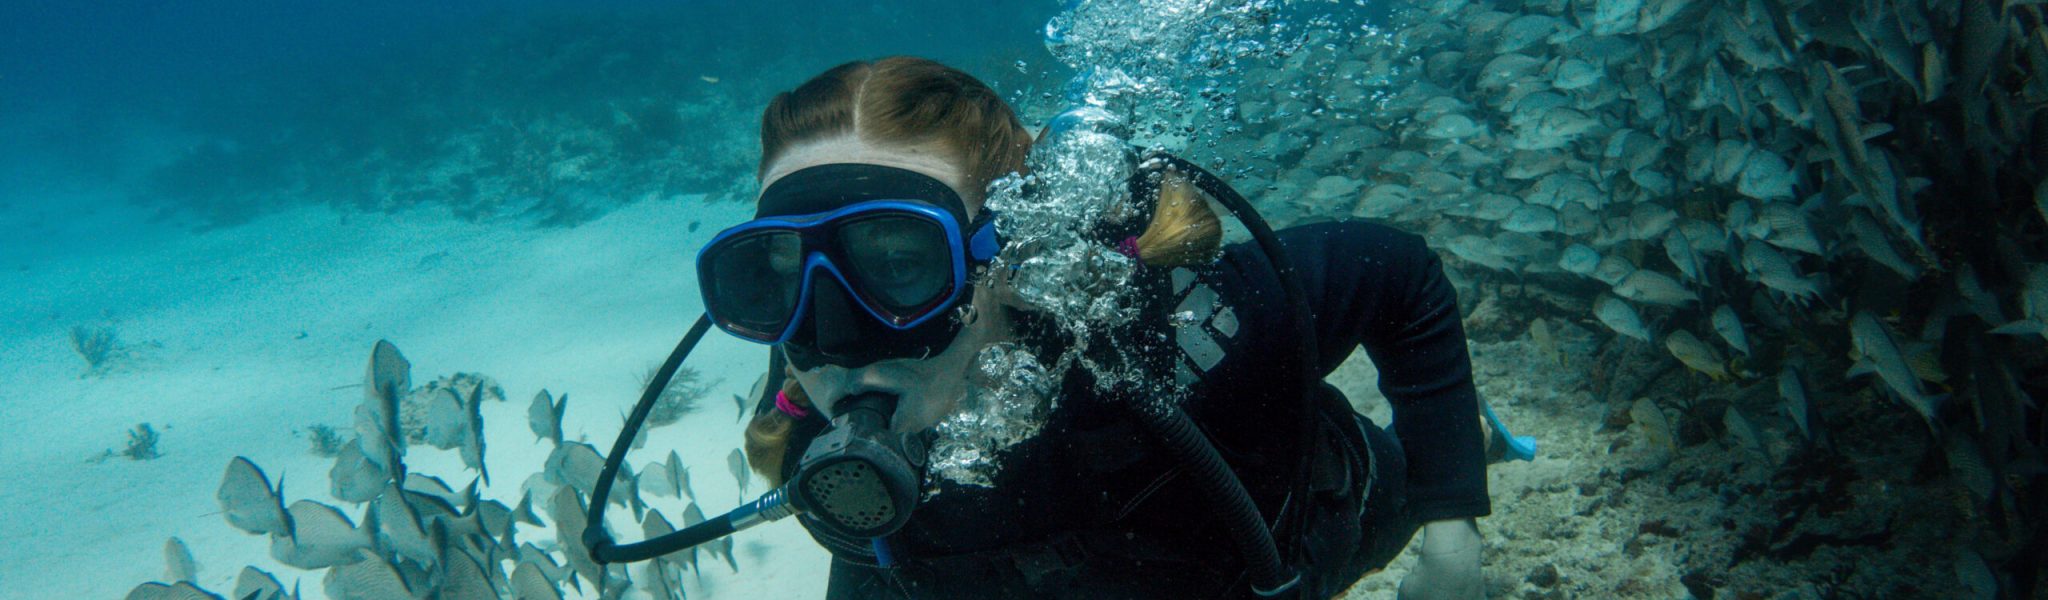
1381,288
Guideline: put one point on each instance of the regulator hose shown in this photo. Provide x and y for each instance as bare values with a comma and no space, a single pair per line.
1247,528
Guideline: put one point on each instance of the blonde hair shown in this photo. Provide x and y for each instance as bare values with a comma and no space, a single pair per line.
902,100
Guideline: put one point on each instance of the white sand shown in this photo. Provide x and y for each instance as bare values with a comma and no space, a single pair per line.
242,336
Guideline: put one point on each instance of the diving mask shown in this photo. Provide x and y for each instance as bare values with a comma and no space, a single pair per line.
892,247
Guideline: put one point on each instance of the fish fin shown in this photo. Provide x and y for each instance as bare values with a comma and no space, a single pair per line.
2022,327
1862,367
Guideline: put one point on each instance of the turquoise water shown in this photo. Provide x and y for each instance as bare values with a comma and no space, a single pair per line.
1765,279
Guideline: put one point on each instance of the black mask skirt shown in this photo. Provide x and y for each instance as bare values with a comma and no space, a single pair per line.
834,329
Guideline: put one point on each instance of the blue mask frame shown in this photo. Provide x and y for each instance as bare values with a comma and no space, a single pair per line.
976,244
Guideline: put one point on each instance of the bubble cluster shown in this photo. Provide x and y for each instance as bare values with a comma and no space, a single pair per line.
1008,403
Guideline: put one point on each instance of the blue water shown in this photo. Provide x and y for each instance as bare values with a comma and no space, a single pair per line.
251,194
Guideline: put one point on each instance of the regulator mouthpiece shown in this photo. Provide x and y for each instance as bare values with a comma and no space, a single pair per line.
859,478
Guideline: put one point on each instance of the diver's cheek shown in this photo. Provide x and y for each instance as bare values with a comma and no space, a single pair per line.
823,386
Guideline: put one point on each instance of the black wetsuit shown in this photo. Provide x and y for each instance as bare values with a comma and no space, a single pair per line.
1090,509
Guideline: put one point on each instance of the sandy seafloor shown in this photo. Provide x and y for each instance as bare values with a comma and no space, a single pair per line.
242,336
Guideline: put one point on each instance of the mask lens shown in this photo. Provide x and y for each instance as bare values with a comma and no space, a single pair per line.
754,280
900,262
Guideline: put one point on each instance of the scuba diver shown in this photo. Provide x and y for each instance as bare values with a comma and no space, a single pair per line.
868,269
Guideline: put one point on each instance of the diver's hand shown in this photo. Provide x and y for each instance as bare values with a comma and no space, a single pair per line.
1449,567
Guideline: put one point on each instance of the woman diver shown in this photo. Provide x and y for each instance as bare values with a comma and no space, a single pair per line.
867,269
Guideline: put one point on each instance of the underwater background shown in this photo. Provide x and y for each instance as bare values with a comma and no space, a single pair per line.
1764,278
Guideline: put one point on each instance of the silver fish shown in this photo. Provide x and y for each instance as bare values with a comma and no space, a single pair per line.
1574,74
1696,355
1506,69
1871,239
577,465
544,417
1610,17
724,545
1654,183
1453,127
1753,39
1880,30
1707,238
367,579
445,423
400,527
1579,259
472,447
249,502
1612,269
1577,221
387,379
1979,301
1789,228
1545,341
1382,201
462,578
354,478
1525,31
1730,157
1651,287
1730,328
1658,13
183,590
1878,351
432,486
1440,106
737,462
1742,221
1783,99
321,537
1792,390
692,516
1559,189
255,584
1650,221
660,581
1480,251
1619,316
1531,218
543,563
178,563
1747,433
1966,463
1679,249
654,525
1769,267
2033,306
1554,129
529,583
1765,176
667,478
567,510
1655,425
1632,150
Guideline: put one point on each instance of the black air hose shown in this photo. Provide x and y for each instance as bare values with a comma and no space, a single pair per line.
1248,531
1241,519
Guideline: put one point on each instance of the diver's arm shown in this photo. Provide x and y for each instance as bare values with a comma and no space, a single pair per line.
1381,288
1448,567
